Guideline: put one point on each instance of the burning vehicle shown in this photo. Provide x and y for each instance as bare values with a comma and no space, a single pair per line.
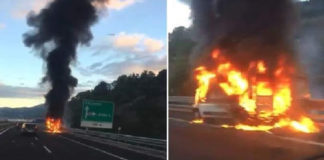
261,103
246,51
53,125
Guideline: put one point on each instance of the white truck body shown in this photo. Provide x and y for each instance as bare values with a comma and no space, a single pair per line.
211,111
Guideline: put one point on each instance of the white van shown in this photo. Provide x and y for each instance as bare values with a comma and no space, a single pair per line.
210,111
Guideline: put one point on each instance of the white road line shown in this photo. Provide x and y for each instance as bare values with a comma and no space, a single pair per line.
5,130
48,150
203,124
301,141
94,148
179,120
36,138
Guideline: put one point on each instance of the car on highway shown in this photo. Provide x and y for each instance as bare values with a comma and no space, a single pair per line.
28,128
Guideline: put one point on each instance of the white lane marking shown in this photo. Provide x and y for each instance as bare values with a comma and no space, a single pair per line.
301,141
36,138
203,124
31,143
5,130
179,120
48,150
94,148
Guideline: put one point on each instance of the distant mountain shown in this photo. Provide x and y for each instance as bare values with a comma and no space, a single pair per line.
37,111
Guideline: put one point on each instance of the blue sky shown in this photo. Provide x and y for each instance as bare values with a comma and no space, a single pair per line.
130,37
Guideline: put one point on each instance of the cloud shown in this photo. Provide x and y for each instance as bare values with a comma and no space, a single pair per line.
119,4
127,66
136,43
124,41
16,96
21,102
95,65
23,7
7,91
153,45
128,53
86,85
2,26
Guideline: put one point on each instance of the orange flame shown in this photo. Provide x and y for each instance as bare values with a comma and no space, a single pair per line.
203,78
305,125
215,53
261,67
53,125
255,96
236,84
197,121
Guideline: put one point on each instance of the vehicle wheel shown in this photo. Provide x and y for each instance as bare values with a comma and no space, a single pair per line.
196,113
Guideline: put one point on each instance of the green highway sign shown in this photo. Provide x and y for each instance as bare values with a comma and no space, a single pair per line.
97,114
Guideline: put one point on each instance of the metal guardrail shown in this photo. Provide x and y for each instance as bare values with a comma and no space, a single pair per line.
182,99
183,102
157,144
4,124
148,146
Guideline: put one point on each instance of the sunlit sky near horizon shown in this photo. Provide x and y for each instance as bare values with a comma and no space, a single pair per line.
178,14
129,38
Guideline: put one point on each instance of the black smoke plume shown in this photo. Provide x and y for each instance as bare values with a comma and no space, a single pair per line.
245,30
58,30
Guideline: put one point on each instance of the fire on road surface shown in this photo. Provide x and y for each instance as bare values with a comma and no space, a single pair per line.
194,141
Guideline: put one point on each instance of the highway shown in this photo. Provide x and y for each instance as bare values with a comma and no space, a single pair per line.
211,142
63,146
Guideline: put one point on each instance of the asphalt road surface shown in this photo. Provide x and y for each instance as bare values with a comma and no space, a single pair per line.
46,146
211,142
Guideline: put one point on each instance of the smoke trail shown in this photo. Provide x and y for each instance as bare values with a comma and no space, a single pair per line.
245,30
58,30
